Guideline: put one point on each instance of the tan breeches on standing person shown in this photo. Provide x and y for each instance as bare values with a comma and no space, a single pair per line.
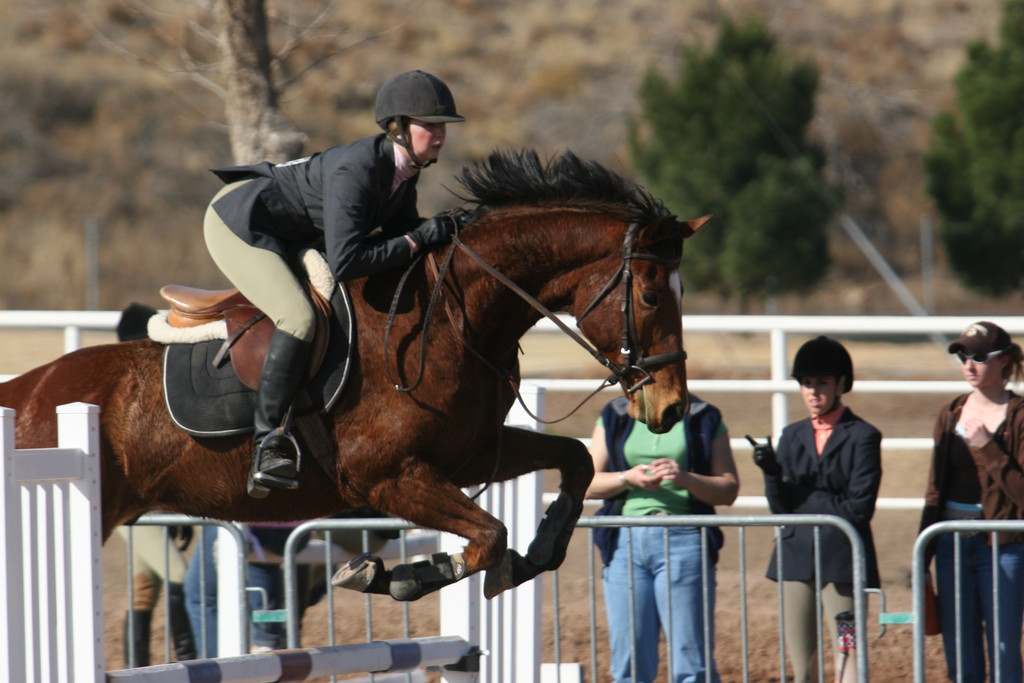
261,275
801,623
148,548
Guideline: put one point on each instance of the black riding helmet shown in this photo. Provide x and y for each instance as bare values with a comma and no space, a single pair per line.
414,95
826,357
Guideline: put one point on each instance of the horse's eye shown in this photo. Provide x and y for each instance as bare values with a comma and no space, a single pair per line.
650,298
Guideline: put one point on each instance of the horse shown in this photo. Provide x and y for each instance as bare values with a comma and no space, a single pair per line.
420,419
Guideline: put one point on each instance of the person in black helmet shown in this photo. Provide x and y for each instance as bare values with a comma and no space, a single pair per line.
828,463
268,212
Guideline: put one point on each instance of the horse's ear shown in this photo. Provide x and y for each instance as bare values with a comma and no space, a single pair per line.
690,228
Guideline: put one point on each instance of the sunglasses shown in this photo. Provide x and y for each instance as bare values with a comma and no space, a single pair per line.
981,358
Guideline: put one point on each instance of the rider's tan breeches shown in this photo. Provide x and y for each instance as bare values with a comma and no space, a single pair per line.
148,547
801,622
261,275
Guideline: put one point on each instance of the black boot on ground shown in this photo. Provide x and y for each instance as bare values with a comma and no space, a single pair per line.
138,636
273,459
181,629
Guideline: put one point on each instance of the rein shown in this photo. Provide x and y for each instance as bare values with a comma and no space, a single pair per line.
393,309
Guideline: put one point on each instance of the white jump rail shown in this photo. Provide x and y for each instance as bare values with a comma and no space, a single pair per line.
403,654
51,588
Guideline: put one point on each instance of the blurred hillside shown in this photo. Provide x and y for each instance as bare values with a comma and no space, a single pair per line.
100,126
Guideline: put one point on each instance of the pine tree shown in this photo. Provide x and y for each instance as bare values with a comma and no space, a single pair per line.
975,166
728,137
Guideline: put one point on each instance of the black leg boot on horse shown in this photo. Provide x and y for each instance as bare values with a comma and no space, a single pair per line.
276,450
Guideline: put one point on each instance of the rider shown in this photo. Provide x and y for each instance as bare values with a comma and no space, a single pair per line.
266,213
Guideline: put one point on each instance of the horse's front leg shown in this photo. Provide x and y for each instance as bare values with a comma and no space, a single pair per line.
426,498
520,452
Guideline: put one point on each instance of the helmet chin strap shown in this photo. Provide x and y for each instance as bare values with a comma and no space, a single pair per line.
407,144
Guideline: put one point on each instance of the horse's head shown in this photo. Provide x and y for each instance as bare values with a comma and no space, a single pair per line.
642,302
611,258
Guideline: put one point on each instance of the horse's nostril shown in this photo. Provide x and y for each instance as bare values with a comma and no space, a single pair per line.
675,412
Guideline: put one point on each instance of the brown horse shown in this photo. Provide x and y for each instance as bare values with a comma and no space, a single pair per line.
572,236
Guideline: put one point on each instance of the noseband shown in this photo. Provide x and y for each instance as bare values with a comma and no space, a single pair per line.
636,363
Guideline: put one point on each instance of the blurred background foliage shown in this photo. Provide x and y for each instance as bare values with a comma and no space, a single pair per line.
729,137
975,164
103,121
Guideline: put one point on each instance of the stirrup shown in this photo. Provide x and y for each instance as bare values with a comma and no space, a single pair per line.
260,483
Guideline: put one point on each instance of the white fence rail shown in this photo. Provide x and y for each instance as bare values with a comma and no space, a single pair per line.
777,328
51,589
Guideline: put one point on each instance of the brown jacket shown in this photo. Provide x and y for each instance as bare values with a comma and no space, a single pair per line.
1002,459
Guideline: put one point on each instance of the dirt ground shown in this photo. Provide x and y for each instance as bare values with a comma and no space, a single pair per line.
711,356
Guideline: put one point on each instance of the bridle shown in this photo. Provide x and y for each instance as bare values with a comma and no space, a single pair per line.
636,361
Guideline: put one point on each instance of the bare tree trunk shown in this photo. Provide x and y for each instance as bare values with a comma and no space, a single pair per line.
257,128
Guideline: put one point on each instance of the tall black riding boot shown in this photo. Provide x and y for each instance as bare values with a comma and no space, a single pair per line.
273,460
181,629
139,637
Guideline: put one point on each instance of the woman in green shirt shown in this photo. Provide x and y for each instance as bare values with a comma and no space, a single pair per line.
687,470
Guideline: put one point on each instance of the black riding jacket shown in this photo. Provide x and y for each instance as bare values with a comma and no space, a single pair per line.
335,198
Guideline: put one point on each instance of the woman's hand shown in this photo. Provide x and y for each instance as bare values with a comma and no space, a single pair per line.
640,477
974,432
663,469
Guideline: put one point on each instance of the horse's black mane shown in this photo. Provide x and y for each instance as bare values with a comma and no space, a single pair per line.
508,178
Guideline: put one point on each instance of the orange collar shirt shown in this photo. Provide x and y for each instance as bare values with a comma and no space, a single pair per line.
824,425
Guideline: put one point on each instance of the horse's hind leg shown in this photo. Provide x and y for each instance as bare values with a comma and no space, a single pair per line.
529,451
424,497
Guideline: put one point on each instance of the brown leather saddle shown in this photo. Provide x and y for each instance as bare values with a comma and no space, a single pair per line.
249,328
248,338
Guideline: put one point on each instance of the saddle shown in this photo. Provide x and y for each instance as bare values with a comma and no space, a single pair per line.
248,328
204,403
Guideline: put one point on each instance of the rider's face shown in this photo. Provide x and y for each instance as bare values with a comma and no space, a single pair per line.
819,393
426,139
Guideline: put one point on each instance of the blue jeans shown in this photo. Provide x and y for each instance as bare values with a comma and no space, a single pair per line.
651,605
269,577
200,581
976,607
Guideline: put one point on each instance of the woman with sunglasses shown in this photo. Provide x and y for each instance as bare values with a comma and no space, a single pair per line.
977,472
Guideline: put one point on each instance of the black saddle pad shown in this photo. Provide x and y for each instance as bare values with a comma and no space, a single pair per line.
207,401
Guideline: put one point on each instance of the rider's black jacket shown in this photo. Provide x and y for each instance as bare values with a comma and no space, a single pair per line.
333,199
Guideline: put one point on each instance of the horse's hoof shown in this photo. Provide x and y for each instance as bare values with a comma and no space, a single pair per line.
413,581
364,573
499,579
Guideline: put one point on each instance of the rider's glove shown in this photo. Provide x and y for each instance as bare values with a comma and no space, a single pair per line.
764,456
438,229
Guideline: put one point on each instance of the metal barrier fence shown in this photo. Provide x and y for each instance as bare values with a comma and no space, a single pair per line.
777,522
534,620
918,569
527,620
233,624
